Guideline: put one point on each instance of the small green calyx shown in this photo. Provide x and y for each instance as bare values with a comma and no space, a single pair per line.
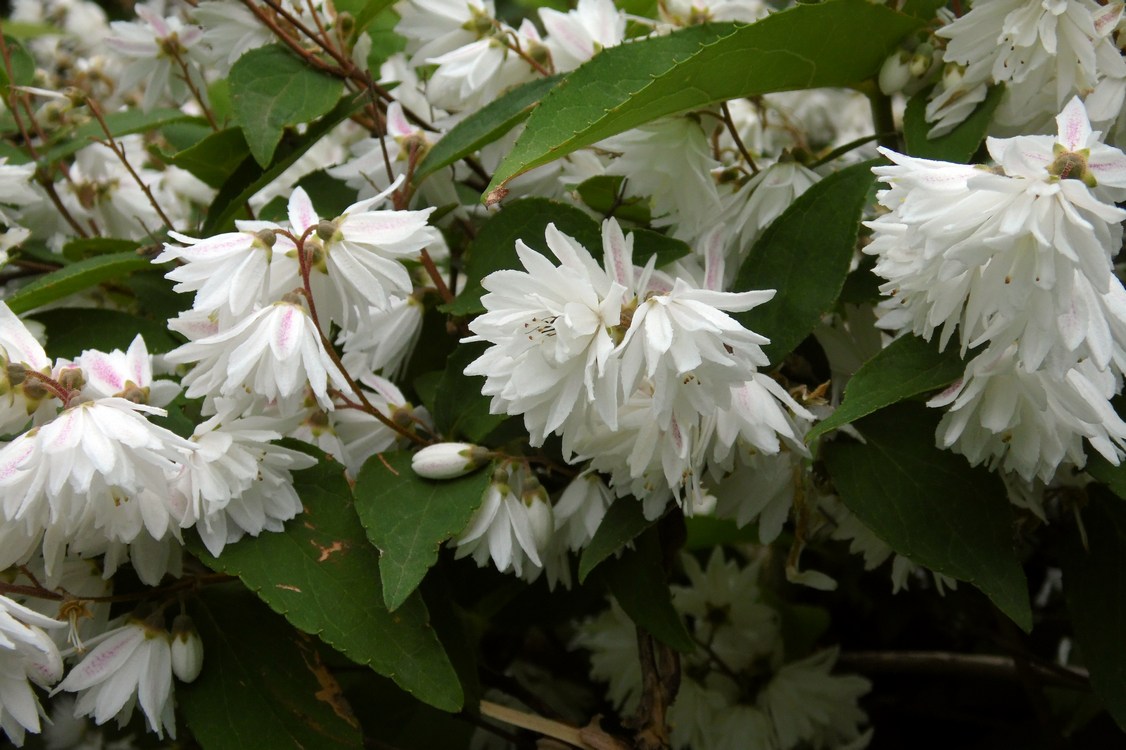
1072,165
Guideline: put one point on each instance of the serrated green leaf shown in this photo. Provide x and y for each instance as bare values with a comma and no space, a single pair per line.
805,254
263,683
485,125
526,219
908,367
119,123
87,247
461,411
214,159
75,278
961,143
639,584
620,526
272,89
249,177
1094,585
408,518
323,575
930,505
70,331
808,46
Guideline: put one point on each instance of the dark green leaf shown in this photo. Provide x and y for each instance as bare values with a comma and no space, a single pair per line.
119,124
603,193
1094,584
214,159
961,143
75,278
461,411
908,367
922,8
183,135
249,178
23,64
621,525
70,331
408,518
930,505
88,247
525,219
485,126
638,582
1114,477
323,575
805,254
272,89
330,196
263,683
808,46
647,243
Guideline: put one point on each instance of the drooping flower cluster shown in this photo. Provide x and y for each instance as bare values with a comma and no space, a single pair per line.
1016,260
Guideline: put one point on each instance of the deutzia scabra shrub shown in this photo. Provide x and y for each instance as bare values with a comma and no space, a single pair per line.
594,373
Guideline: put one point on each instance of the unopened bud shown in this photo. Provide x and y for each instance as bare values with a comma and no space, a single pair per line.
187,649
448,460
72,379
17,373
266,236
345,23
895,73
326,230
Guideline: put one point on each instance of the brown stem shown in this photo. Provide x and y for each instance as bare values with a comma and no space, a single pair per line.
660,681
965,665
40,592
532,722
196,93
55,387
730,122
114,146
436,277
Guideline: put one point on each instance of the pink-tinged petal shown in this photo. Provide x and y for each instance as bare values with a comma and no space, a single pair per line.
137,362
618,253
1107,19
103,659
18,342
302,215
101,373
159,25
1108,165
1074,127
285,331
397,122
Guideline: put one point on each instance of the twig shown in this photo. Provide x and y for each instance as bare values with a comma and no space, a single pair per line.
532,722
730,122
196,93
950,663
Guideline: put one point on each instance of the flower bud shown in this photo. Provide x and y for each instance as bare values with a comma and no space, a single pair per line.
187,649
895,73
448,460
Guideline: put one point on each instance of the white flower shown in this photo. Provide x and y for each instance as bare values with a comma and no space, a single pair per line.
187,649
1030,422
434,27
15,186
576,36
550,327
385,342
20,395
373,157
274,353
229,31
128,665
513,525
27,653
763,199
148,43
230,272
580,509
357,256
125,375
469,77
810,706
96,474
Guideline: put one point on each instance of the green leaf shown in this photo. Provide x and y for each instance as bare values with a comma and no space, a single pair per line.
1094,585
23,65
72,330
485,125
638,582
930,505
620,526
961,143
647,243
603,193
87,247
1114,477
526,219
461,411
119,123
805,254
908,367
263,683
214,159
408,518
323,575
272,89
249,177
75,278
329,195
833,43
922,8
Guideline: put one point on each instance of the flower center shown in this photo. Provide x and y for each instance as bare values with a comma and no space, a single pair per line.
1071,165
